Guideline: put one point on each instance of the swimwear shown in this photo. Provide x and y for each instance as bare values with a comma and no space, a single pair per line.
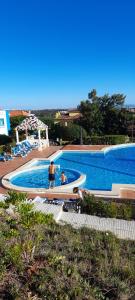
51,177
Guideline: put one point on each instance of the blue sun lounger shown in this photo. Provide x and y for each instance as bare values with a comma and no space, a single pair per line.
2,158
5,157
30,146
17,151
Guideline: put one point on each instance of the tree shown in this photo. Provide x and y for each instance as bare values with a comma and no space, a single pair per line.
5,139
15,121
92,95
103,115
91,119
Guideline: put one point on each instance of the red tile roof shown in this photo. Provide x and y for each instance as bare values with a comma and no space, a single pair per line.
16,113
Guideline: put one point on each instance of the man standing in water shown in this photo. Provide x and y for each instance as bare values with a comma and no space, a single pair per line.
51,174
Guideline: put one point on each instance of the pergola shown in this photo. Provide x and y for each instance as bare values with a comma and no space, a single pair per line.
32,123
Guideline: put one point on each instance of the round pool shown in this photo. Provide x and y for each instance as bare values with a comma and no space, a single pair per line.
38,177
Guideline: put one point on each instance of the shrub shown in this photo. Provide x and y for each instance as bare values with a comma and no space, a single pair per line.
90,206
14,197
107,140
100,208
125,211
29,217
5,139
112,210
69,133
1,149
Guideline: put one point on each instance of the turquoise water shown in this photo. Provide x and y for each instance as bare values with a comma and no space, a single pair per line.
39,178
102,170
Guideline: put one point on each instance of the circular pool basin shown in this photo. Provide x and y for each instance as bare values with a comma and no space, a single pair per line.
38,177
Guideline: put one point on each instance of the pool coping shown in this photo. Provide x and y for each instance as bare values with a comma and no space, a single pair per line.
116,188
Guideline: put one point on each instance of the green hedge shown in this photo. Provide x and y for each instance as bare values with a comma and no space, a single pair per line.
5,139
100,208
69,133
107,140
1,149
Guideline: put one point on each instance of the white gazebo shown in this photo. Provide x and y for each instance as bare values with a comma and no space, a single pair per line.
33,123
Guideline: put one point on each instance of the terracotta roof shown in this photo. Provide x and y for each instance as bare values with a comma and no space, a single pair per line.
16,113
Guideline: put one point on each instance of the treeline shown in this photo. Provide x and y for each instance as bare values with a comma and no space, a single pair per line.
104,120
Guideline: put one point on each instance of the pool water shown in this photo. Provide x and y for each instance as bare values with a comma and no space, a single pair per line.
115,166
102,169
39,178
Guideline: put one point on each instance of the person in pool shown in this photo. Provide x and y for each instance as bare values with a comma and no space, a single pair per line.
63,178
51,174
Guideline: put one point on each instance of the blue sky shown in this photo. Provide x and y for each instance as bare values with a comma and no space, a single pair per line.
53,52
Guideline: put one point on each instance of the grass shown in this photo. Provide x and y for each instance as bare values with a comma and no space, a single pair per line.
40,259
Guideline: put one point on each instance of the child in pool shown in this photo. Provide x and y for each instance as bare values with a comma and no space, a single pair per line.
63,178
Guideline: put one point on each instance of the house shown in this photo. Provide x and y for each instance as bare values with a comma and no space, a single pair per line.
67,117
130,108
4,122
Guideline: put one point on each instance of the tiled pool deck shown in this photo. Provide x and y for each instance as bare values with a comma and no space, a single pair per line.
10,166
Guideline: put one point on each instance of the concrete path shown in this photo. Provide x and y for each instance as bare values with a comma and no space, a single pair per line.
56,210
121,228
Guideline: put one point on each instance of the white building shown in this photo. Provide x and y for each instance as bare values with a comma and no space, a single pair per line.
4,122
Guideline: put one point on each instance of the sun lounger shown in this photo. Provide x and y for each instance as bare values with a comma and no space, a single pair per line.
38,199
8,156
22,148
16,151
30,146
57,201
5,157
2,158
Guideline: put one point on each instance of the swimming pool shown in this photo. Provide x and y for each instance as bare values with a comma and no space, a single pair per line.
38,178
102,169
114,165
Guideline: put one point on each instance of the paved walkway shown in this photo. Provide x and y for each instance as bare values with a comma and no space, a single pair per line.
84,147
121,228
